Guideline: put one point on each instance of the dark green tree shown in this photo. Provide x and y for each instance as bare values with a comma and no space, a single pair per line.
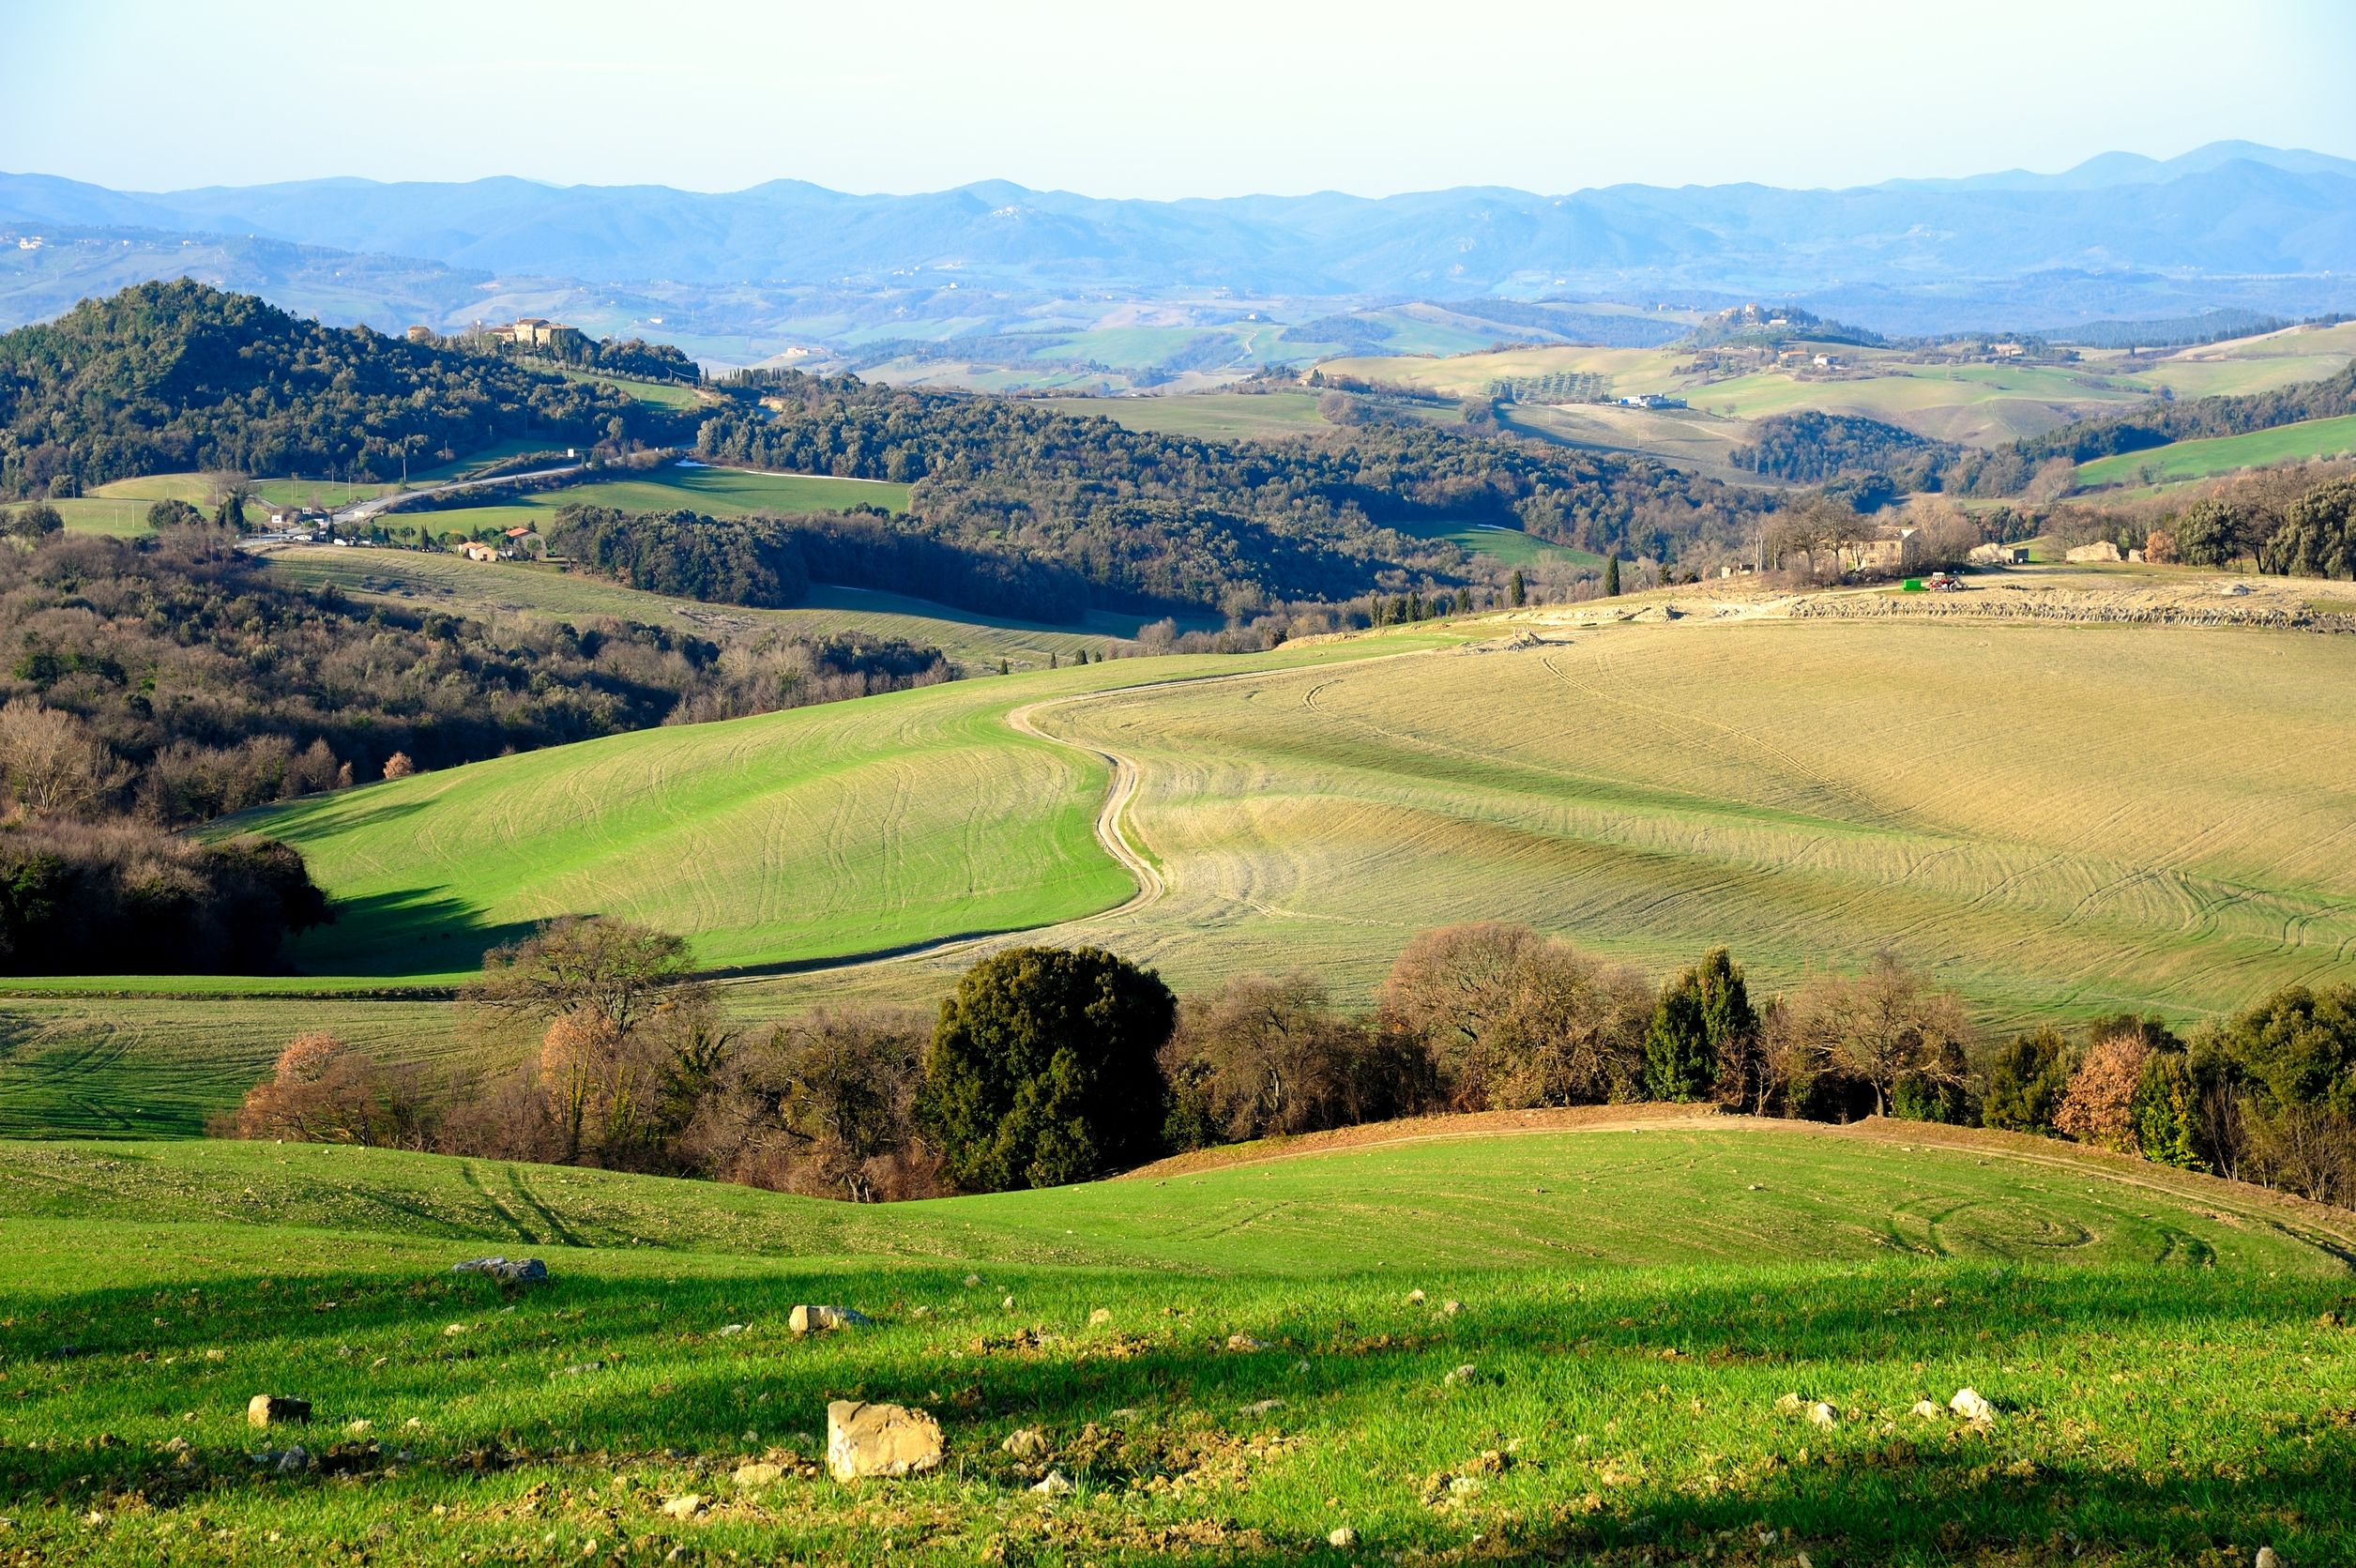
1044,1069
35,520
2167,1112
172,514
1677,1056
1611,576
2025,1082
1519,591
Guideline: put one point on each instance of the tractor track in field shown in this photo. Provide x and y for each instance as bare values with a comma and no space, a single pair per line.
1113,833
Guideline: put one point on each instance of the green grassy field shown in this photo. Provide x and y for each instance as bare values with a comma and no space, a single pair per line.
666,394
714,492
2164,1355
1510,545
2223,454
120,508
1211,416
976,641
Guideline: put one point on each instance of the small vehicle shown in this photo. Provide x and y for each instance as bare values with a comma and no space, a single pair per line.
1943,582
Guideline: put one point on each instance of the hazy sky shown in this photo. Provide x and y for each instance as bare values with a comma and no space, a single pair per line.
1152,98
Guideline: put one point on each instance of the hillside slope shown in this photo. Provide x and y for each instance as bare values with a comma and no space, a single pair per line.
1226,1368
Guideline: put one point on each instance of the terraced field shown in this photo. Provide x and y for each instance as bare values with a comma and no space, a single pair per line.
1226,1368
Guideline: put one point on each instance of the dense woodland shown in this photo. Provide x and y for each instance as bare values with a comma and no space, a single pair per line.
168,377
1811,448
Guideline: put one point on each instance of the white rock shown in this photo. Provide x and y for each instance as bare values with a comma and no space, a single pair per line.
821,1320
2266,1558
1342,1537
1464,1373
880,1440
1027,1444
1822,1414
1928,1409
1057,1485
1969,1406
685,1506
1452,1308
1101,1316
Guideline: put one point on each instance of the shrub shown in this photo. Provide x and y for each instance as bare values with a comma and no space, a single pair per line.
324,1091
2025,1082
1264,1055
1043,1068
2098,1105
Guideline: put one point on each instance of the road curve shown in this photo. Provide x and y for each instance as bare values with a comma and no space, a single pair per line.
1119,796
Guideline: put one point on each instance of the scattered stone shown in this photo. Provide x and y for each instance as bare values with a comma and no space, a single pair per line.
685,1506
822,1319
920,1312
730,1331
2266,1558
518,1272
264,1409
1006,1305
1100,1316
1260,1407
1787,1404
1452,1308
972,1281
1464,1486
1245,1342
1127,1412
175,1444
1756,1188
1057,1485
1824,1415
1028,1443
1464,1375
580,1369
1415,1298
758,1472
285,1461
1927,1409
455,1330
1973,1408
2328,1321
864,1439
1342,1537
358,1429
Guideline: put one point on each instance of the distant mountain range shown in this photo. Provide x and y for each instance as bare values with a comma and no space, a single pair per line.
2230,224
2227,209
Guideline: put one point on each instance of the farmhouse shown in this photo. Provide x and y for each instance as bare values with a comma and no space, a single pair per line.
1652,400
1896,549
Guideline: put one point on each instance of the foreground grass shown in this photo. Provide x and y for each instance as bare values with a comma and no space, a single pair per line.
2167,1387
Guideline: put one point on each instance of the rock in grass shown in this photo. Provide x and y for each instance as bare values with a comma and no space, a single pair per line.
1973,1408
1463,1375
1245,1342
1824,1415
1260,1407
822,1319
887,1440
1057,1485
266,1409
1452,1308
1342,1537
1927,1409
2266,1558
1100,1317
685,1506
1027,1444
730,1331
972,1281
758,1472
1789,1404
1415,1298
521,1271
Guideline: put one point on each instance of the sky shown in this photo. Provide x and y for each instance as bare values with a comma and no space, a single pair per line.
1176,98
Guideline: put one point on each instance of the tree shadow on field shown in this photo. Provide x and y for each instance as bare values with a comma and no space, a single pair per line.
411,931
634,1372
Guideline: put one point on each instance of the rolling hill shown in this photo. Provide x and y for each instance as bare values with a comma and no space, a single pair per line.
1595,1341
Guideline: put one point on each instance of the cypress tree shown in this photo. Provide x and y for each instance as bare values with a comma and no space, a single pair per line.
1611,576
1520,590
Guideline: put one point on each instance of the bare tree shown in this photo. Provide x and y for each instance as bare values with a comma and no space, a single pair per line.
1513,1018
1886,1025
54,763
612,968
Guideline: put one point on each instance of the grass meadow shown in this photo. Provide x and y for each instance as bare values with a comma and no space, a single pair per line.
976,641
2223,454
2167,1357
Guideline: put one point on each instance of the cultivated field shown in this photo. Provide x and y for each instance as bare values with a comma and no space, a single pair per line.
2163,1356
2223,454
2060,821
1976,403
1211,415
973,640
692,487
